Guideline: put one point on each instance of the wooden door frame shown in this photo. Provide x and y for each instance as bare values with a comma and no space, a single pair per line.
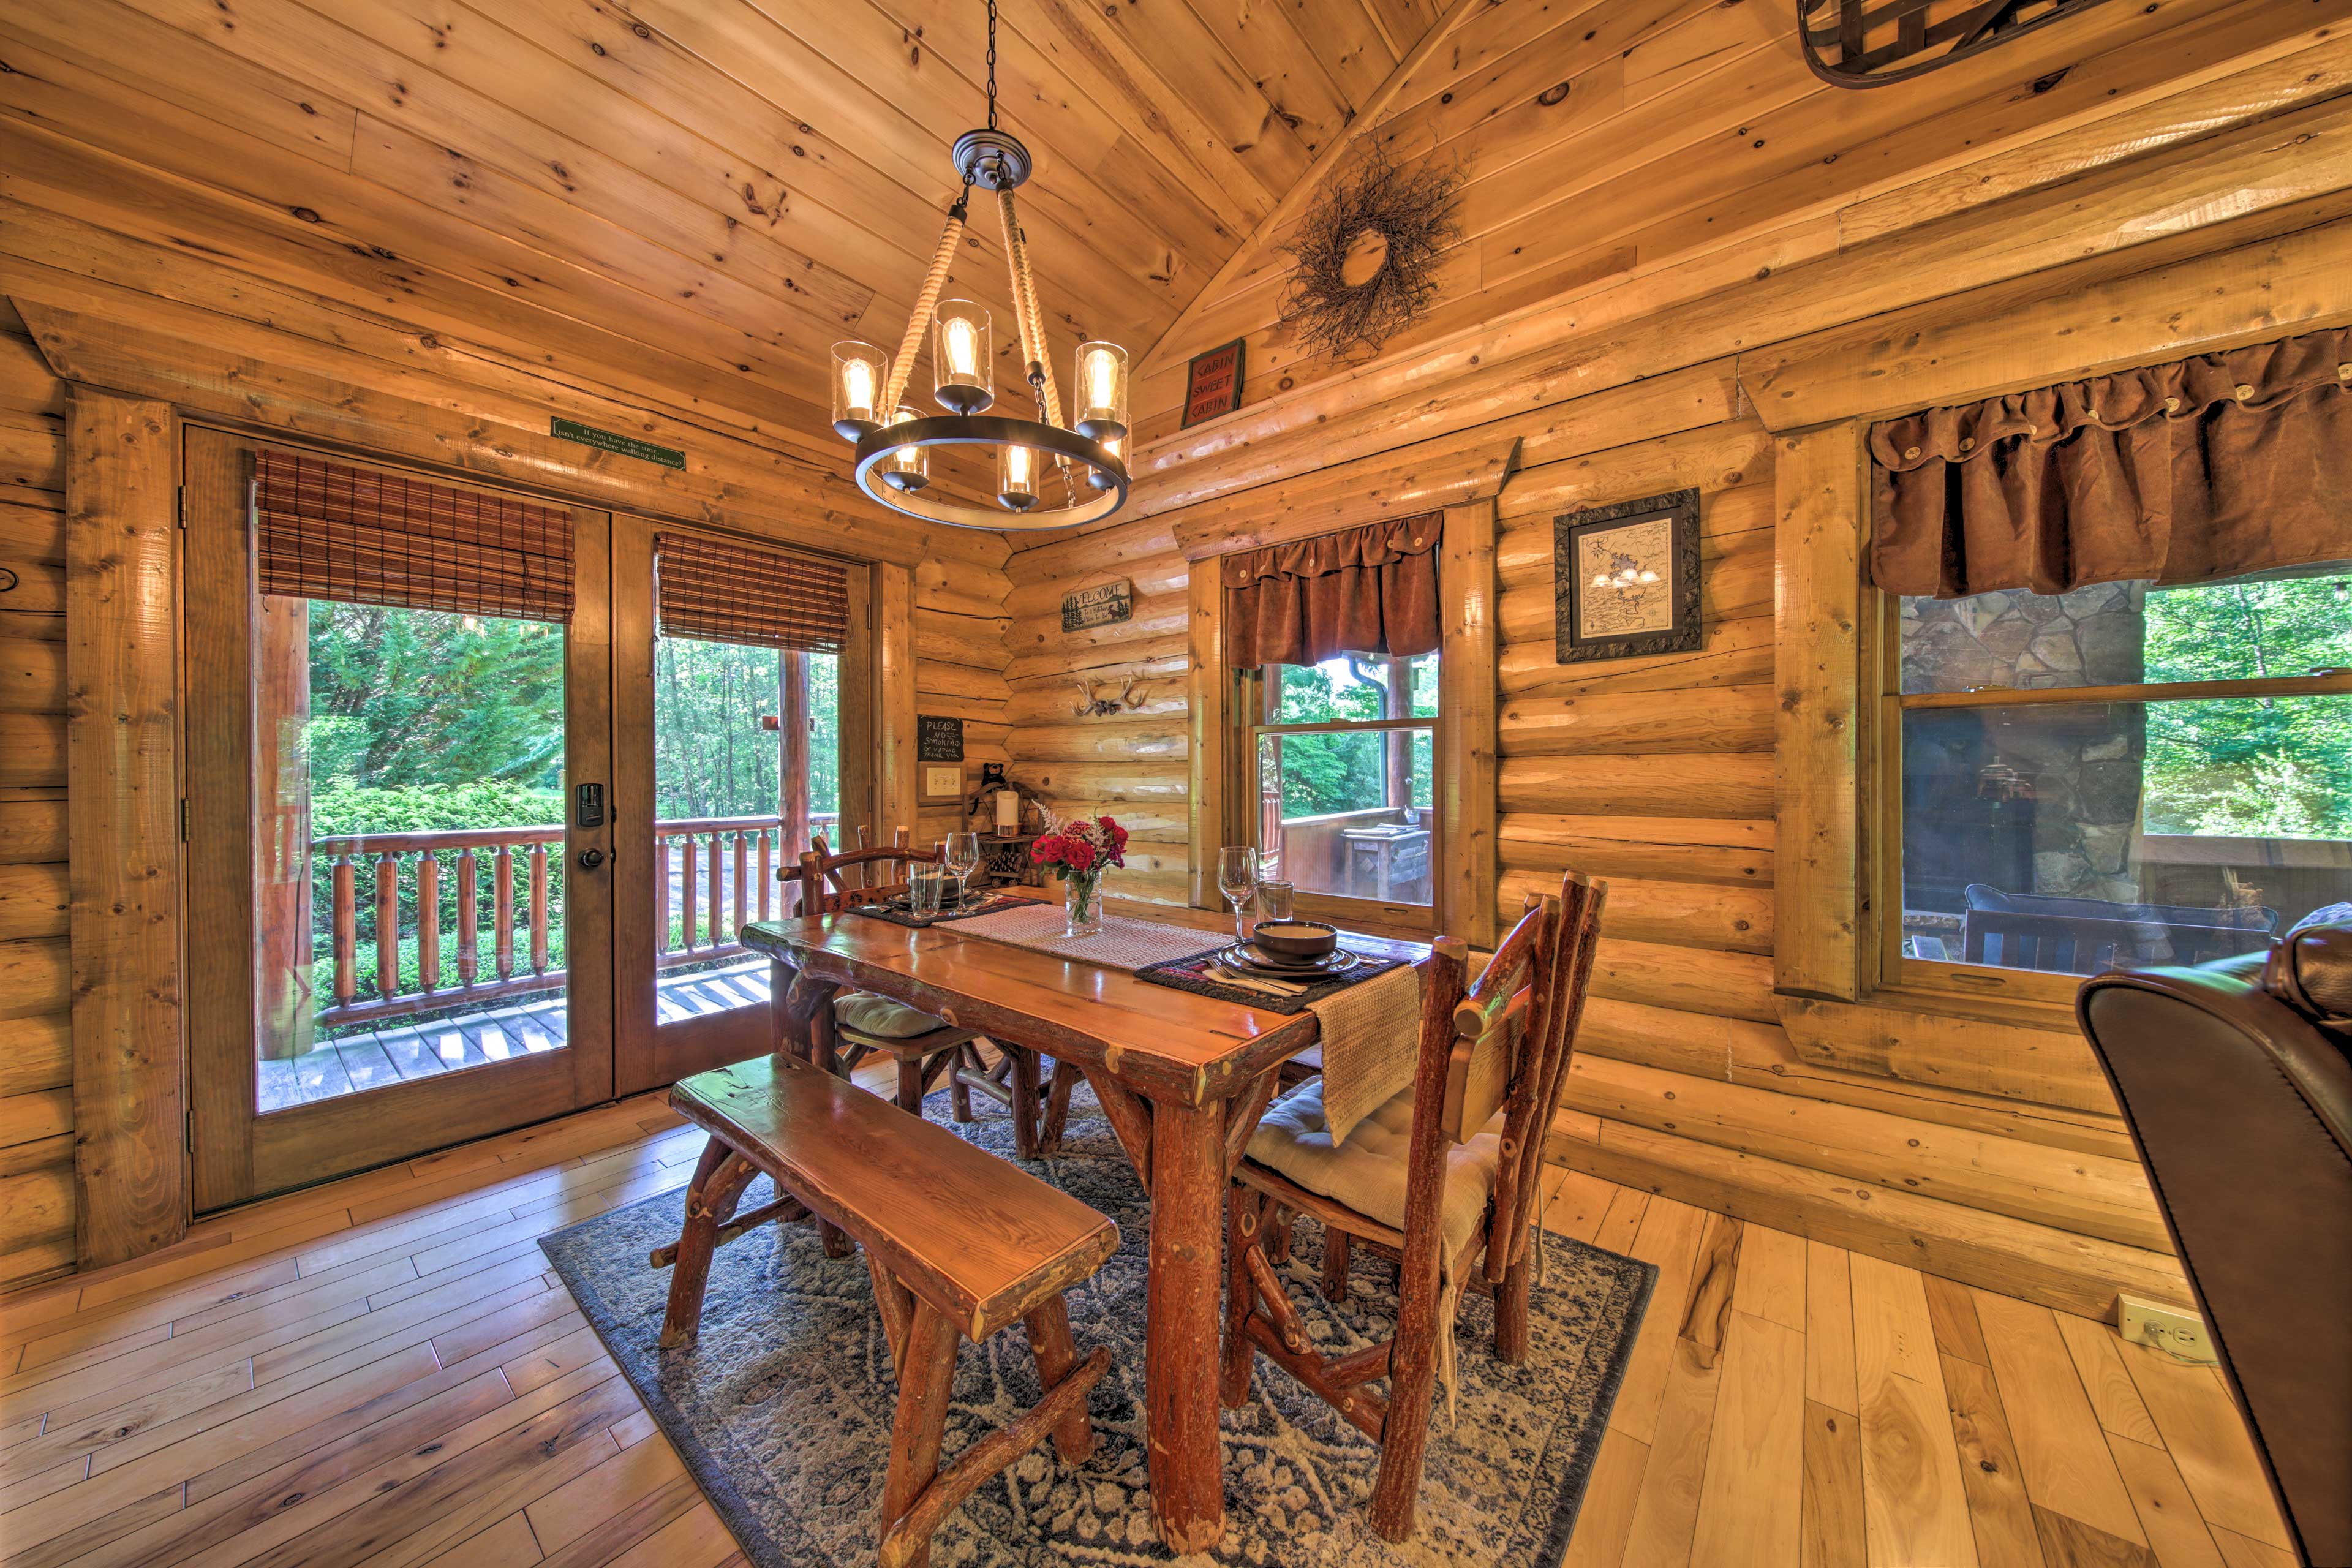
234,1152
647,1053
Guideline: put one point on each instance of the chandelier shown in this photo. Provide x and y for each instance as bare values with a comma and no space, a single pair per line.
1049,473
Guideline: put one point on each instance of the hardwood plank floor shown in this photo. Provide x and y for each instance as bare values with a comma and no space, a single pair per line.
383,1371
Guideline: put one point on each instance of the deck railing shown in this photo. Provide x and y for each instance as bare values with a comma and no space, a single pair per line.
522,866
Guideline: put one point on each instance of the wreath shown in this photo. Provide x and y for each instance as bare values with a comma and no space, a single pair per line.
1366,257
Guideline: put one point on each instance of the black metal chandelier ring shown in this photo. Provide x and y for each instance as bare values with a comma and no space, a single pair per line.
874,448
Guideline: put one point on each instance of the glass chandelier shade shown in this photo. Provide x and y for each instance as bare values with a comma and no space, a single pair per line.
961,357
1096,477
1101,391
1016,478
907,469
859,371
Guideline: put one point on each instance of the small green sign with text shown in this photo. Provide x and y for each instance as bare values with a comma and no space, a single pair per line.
612,441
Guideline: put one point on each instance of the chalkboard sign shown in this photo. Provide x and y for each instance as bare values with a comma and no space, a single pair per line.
938,738
1106,603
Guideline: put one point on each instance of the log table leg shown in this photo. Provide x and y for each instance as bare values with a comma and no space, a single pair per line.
1024,1102
1182,1320
803,1027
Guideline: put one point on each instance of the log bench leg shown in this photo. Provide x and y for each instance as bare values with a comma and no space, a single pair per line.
959,1091
1058,1356
926,1373
720,1178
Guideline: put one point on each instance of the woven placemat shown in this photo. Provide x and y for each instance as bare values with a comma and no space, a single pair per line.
899,917
1189,974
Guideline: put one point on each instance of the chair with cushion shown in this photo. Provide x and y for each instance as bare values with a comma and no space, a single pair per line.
1444,1177
925,1049
864,1024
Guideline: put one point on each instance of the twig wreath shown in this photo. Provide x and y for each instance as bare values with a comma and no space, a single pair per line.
1367,256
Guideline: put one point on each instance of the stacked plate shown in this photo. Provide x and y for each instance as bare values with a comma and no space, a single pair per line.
1248,958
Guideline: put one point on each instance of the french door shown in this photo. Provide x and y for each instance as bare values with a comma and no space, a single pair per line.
400,826
733,754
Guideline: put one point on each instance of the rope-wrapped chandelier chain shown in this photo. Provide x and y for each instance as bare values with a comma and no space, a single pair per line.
1029,317
903,366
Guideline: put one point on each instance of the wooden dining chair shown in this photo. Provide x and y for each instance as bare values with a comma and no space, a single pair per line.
1444,1177
924,1049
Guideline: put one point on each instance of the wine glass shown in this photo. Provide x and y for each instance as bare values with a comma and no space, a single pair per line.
961,851
1238,879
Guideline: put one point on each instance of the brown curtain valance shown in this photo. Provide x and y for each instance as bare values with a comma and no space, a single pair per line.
328,531
1362,590
2217,466
740,594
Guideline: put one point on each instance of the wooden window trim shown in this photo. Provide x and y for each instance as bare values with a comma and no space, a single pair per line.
1465,871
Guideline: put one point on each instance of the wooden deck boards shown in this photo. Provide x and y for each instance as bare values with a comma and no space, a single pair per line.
357,1063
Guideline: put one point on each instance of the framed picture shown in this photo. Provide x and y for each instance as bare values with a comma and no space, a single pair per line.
1625,579
942,783
1212,383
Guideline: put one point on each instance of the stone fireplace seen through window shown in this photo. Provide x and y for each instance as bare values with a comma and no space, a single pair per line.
2124,774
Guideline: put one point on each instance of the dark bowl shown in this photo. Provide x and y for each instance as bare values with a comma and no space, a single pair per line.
1295,941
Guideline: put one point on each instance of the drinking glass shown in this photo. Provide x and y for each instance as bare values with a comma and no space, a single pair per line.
1238,879
1272,902
926,886
961,853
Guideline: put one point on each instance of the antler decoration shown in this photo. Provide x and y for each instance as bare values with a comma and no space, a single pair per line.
1093,707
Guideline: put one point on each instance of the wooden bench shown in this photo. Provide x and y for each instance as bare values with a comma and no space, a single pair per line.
961,1244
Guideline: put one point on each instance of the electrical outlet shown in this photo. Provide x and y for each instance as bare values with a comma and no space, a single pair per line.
2167,1329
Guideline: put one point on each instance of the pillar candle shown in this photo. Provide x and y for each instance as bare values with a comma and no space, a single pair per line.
1008,812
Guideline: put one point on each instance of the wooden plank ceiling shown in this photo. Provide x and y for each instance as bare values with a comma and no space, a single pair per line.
688,201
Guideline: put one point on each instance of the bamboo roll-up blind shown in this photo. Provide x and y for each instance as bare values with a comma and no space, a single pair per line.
740,593
328,531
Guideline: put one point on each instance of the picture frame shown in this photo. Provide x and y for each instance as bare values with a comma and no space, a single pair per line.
1626,579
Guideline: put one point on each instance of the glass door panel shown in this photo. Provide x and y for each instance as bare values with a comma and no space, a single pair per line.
398,900
732,757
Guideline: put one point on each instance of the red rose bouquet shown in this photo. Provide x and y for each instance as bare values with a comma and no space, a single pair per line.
1083,849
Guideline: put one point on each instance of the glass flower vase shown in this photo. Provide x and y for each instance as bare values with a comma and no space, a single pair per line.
1081,903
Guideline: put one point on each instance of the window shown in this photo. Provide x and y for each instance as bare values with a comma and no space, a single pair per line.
2117,776
1340,764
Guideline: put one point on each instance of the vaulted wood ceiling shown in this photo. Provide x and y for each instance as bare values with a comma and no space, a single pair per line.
690,199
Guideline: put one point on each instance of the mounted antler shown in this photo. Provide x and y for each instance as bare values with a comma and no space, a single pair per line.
1127,697
1093,707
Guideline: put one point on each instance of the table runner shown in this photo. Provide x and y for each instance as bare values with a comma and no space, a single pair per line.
1124,941
899,917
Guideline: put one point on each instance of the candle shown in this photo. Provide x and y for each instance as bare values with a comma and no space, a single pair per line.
1008,812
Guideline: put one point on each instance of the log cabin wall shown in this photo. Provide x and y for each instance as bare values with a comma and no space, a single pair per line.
1672,355
37,1159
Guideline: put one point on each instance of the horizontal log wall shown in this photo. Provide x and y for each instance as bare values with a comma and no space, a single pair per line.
37,1160
1981,1149
960,658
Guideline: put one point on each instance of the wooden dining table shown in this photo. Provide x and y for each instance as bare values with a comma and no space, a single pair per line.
1182,1077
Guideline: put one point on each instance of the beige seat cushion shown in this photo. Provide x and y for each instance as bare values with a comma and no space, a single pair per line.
880,1017
1367,1172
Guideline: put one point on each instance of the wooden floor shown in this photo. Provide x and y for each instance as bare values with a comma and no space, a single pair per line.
373,1058
383,1371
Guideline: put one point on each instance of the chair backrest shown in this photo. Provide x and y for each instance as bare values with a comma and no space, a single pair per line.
1502,1045
827,886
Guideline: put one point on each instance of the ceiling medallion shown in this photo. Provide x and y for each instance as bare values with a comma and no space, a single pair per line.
1049,473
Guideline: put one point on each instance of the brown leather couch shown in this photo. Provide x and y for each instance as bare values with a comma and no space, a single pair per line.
2236,1078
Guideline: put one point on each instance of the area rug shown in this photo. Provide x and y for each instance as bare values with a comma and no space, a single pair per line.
781,1408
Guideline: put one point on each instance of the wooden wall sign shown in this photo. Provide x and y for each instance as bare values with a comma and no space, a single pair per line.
613,441
1104,604
1212,383
1870,43
938,738
1625,579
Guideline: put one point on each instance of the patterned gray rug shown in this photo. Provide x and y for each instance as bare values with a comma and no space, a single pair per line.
781,1407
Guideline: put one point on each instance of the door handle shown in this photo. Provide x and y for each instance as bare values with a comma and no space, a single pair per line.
591,858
